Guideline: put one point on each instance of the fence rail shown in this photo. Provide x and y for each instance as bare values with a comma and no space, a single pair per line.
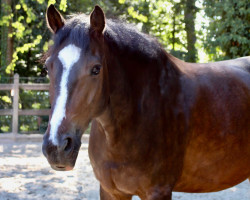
15,111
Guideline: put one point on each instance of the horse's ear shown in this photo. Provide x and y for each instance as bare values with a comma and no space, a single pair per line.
55,20
97,20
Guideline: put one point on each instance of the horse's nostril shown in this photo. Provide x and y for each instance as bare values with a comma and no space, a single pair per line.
65,145
68,145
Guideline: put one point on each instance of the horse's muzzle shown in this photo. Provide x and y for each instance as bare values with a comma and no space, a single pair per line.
62,157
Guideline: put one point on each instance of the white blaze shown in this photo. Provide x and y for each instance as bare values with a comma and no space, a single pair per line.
68,56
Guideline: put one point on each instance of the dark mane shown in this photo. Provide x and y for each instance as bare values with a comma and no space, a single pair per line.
118,34
76,30
131,42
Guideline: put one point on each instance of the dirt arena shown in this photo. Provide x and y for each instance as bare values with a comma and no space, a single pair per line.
26,175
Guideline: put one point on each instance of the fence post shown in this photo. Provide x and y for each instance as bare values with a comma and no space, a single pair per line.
15,105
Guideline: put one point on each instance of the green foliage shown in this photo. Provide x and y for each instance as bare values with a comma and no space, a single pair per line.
162,19
4,24
34,99
29,33
5,125
5,100
63,5
29,124
228,33
26,47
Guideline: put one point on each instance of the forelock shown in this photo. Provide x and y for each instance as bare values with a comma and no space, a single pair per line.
75,31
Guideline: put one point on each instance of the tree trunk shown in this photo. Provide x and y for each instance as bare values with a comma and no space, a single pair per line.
173,33
189,19
7,43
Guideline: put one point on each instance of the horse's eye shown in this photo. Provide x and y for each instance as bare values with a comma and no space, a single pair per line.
96,70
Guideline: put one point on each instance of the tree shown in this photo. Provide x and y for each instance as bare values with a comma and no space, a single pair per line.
189,18
228,31
6,49
162,19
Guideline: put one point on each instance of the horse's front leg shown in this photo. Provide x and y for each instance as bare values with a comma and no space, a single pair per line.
159,193
115,196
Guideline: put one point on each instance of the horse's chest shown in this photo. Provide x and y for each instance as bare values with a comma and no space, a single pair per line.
120,176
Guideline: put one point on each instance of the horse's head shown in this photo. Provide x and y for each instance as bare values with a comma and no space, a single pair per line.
76,68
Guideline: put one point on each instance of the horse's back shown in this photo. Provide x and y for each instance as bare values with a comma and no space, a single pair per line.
243,63
235,67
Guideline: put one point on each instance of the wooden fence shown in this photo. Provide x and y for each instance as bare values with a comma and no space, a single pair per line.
15,111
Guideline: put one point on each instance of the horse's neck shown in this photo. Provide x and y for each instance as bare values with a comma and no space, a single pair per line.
137,96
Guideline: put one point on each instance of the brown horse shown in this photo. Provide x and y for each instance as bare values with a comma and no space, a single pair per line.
158,124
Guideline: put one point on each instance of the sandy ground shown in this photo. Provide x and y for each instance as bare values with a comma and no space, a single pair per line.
26,175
